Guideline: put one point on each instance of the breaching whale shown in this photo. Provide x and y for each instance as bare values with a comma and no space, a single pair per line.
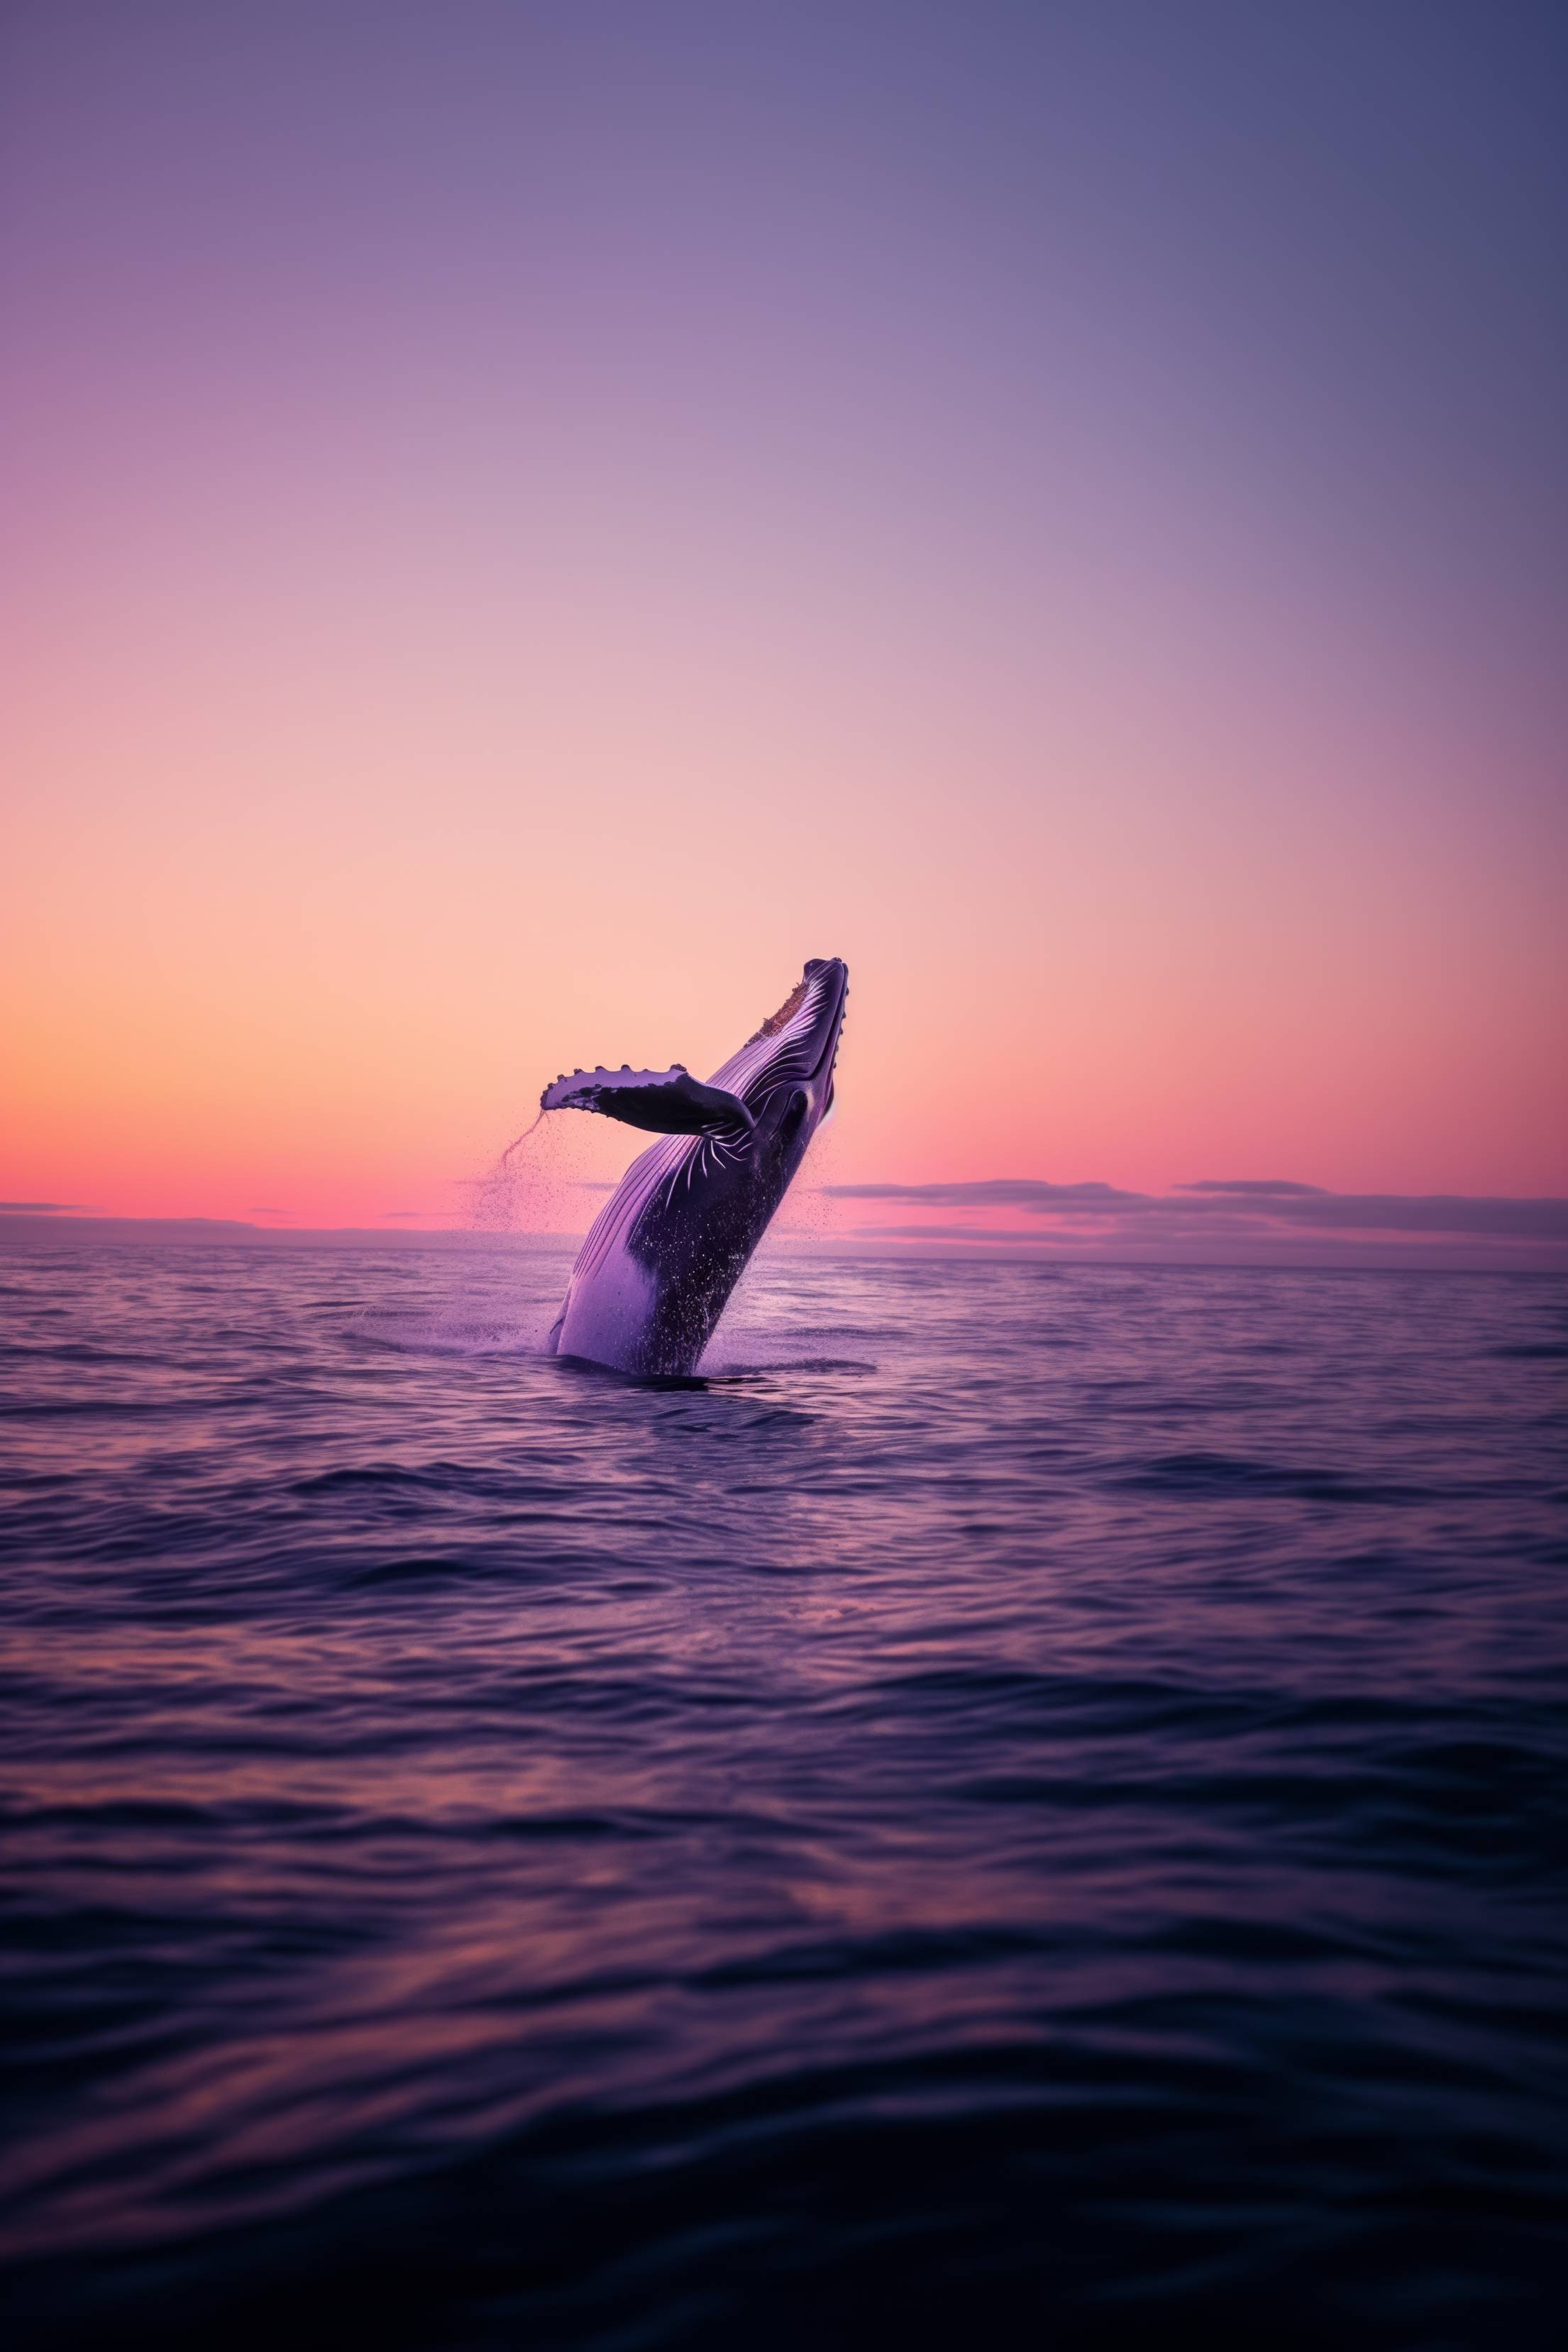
669,1246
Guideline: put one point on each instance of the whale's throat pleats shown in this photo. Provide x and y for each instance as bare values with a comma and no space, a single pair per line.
663,1102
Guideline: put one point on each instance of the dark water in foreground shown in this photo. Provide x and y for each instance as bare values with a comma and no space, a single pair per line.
1044,1797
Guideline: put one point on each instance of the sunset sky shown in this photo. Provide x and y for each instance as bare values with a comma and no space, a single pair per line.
525,522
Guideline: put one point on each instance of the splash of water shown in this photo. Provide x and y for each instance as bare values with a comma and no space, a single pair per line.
496,1196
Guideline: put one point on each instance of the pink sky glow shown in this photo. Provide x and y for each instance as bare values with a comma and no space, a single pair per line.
514,546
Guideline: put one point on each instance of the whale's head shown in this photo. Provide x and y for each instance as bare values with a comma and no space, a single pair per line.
785,1072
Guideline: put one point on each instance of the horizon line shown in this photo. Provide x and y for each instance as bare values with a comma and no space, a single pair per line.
1245,1242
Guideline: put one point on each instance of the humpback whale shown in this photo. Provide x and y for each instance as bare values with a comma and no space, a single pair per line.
669,1246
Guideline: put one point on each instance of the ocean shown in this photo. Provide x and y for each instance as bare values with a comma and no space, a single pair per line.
1031,1801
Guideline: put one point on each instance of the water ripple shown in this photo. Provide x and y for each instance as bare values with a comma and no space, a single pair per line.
1019,1795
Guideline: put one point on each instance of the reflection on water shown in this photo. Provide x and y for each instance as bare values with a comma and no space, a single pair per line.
1026,1791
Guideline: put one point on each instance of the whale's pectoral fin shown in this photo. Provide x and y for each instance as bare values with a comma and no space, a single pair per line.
667,1102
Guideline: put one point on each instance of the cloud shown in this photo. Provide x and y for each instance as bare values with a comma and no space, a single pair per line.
1437,1212
957,1234
1241,1213
403,1212
90,1230
1255,1187
1274,1202
41,1208
995,1193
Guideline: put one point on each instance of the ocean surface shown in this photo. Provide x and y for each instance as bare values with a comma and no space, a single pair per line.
1030,1803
